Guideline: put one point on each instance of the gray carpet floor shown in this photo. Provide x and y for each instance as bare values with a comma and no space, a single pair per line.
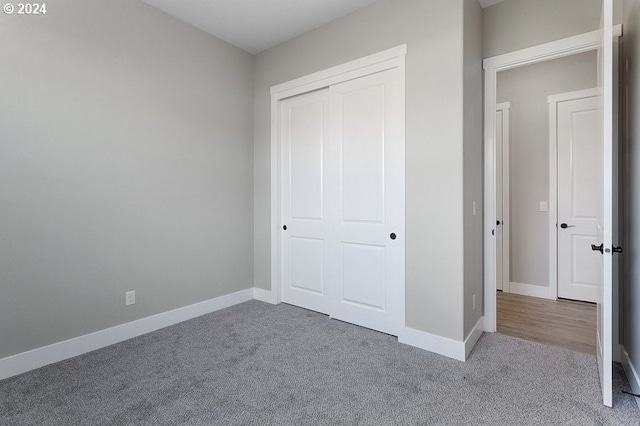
259,364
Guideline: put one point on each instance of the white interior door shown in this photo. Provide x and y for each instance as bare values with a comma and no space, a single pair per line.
304,121
578,203
365,189
605,219
502,196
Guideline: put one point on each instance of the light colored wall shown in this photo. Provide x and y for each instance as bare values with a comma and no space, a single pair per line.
527,88
125,163
434,141
473,145
631,185
517,24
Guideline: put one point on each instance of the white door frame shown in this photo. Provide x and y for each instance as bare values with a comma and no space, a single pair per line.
543,52
378,62
505,108
553,101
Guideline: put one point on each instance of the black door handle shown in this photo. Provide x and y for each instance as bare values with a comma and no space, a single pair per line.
392,236
498,222
597,248
565,226
617,249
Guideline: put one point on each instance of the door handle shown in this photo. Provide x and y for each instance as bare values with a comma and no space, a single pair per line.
498,222
617,249
392,236
565,226
597,248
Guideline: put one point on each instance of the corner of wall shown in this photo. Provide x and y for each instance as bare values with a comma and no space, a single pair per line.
631,372
472,165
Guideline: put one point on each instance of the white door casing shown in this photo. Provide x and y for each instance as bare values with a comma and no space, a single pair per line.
576,226
502,197
283,94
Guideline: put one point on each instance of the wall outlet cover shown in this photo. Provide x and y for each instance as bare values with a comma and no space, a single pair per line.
130,298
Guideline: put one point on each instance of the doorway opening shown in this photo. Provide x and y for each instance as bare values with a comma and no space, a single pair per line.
546,157
601,40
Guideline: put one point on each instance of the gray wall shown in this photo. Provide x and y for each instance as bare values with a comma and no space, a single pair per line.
473,148
125,163
434,141
527,88
517,24
631,185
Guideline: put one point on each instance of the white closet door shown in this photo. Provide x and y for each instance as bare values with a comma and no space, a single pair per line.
304,121
365,196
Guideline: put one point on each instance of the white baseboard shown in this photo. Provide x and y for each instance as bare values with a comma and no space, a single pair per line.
631,372
473,337
531,290
36,358
264,295
432,343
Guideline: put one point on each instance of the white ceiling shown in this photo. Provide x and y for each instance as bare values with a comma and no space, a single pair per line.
256,25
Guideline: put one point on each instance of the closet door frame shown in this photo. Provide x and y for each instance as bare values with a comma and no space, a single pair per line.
378,62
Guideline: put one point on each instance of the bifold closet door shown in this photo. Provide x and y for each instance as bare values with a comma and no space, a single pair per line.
364,193
303,131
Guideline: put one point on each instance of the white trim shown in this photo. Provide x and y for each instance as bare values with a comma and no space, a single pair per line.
553,195
263,295
631,372
36,358
553,101
557,49
532,290
573,96
433,343
378,62
347,71
547,51
505,107
473,337
402,195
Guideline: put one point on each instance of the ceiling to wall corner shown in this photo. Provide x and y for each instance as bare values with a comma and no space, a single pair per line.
487,3
256,25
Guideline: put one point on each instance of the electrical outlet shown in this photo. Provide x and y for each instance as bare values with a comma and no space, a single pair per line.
130,298
544,207
474,302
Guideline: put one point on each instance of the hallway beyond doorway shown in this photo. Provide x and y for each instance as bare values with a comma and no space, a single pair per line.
563,323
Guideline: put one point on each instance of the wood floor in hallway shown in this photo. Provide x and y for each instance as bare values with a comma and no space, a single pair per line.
563,323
